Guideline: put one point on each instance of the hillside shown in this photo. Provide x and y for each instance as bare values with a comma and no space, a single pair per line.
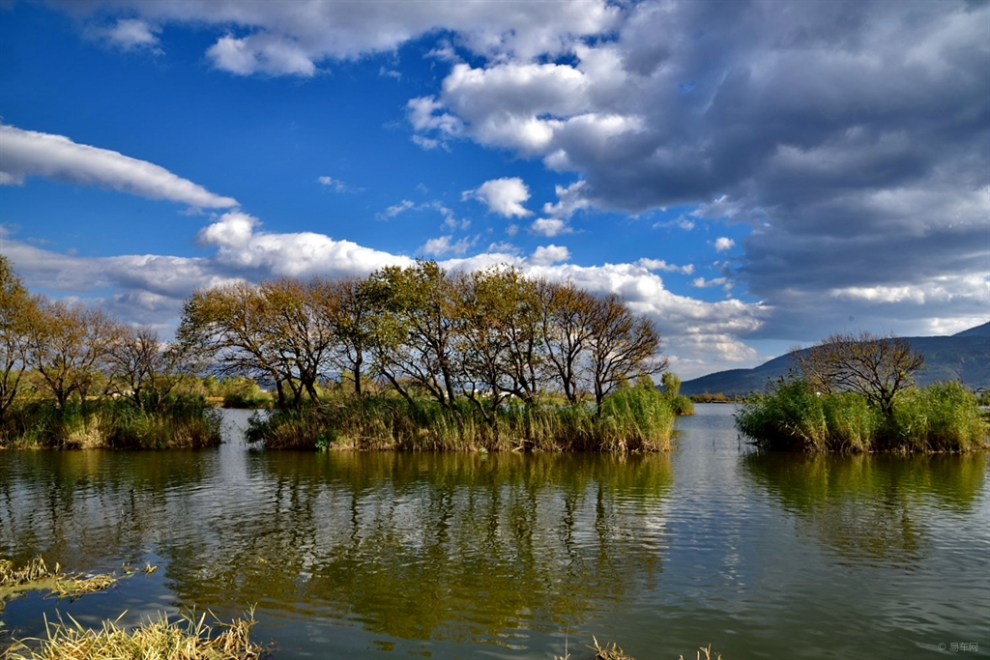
964,356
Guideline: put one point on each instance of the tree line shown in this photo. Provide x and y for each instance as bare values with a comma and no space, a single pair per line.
421,331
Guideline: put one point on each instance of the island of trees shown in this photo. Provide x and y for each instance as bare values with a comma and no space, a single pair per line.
412,358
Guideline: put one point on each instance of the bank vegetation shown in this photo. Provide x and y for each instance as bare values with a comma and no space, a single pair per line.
855,394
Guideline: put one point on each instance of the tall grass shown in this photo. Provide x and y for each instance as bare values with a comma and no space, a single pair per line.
630,420
186,422
941,418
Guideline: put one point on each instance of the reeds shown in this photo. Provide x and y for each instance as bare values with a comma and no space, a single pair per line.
186,422
941,418
630,420
190,639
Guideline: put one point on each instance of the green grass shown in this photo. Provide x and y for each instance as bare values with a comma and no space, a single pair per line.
186,422
941,418
631,420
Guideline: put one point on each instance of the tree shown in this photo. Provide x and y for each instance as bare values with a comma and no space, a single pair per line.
349,308
416,329
228,326
18,320
621,346
876,367
142,368
68,348
566,330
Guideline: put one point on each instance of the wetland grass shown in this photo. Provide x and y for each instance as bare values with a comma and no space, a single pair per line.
189,639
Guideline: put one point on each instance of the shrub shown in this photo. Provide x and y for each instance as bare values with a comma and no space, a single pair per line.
790,417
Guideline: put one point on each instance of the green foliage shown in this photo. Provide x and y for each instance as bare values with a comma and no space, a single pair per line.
791,417
942,418
631,420
186,422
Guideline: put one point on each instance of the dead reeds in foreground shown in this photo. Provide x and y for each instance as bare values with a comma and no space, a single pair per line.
190,639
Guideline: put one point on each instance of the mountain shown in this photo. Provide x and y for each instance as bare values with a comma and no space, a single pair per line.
964,356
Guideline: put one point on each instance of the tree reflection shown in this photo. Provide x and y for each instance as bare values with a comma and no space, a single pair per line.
438,546
869,507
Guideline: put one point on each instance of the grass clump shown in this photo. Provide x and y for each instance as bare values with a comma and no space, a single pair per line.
630,420
36,575
192,639
181,422
940,418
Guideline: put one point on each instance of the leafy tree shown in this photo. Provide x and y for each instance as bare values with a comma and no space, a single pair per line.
876,367
228,326
18,319
416,332
68,349
349,307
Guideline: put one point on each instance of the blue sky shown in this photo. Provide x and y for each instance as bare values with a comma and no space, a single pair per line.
751,175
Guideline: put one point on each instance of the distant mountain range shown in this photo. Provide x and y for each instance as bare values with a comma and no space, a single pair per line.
964,356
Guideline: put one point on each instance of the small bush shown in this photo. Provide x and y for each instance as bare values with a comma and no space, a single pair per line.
791,417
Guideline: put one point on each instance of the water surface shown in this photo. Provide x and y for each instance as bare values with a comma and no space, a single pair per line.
510,556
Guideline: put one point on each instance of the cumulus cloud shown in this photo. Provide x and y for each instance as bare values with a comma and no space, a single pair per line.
504,196
30,153
549,254
336,185
443,246
664,267
549,227
847,137
724,244
294,38
244,249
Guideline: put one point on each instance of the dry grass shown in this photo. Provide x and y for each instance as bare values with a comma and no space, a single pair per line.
36,575
192,639
708,654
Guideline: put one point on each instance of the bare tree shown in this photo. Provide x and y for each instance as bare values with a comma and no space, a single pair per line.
622,347
876,367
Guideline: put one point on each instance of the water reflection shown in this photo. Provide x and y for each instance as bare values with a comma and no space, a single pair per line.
874,508
437,546
420,547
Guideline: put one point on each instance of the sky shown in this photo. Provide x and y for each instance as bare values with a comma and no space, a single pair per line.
751,175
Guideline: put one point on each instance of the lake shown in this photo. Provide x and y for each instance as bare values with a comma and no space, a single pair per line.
512,556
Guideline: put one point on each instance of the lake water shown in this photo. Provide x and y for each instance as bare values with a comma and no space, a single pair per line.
508,556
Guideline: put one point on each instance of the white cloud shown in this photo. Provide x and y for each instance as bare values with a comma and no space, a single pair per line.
241,246
398,209
549,227
503,196
702,283
261,53
724,244
335,185
132,34
549,254
29,153
293,38
571,200
446,245
664,267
